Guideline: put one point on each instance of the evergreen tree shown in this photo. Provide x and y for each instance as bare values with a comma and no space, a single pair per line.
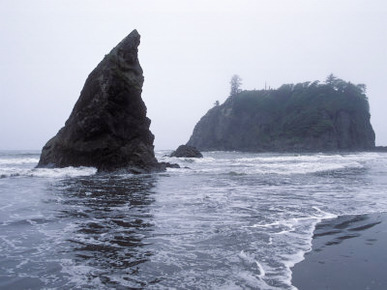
235,83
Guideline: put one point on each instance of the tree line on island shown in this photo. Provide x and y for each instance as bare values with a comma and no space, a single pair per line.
309,116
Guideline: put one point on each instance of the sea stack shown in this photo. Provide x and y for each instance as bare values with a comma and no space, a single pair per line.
108,128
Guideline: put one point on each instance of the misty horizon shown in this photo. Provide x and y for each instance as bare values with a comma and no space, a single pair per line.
188,51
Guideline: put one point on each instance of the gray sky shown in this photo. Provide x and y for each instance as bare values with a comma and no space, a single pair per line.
189,51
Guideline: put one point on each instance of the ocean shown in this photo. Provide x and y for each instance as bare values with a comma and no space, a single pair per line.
230,220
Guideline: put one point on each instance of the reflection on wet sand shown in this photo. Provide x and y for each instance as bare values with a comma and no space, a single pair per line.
343,228
348,252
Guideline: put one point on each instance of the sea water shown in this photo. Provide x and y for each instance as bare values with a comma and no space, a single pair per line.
227,221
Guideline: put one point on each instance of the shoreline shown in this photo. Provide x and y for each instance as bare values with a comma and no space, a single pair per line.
348,252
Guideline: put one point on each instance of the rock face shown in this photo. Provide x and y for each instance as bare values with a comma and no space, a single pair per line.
108,128
294,118
186,151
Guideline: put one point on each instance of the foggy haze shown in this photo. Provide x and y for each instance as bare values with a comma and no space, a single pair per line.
189,50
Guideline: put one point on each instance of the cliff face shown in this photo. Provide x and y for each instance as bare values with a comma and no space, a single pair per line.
302,117
108,127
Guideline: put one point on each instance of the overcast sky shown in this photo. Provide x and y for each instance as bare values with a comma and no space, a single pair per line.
189,50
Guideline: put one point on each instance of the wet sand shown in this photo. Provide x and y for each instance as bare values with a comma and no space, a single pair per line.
349,252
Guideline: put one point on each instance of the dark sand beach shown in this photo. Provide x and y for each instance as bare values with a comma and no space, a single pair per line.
349,252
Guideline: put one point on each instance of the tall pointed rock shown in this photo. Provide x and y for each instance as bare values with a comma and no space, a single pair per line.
108,128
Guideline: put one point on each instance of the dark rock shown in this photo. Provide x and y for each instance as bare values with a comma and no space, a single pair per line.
294,118
380,149
186,151
170,165
108,128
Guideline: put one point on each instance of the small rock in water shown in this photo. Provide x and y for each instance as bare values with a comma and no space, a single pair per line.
186,151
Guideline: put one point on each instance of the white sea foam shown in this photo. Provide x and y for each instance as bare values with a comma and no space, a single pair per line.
282,164
47,172
296,165
262,272
250,261
18,161
63,172
231,221
23,165
321,215
291,259
299,230
80,275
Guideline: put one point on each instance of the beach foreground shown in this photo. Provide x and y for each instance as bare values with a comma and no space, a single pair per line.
349,252
232,221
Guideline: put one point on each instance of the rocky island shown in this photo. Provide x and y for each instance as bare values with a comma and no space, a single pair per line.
186,151
108,128
314,117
